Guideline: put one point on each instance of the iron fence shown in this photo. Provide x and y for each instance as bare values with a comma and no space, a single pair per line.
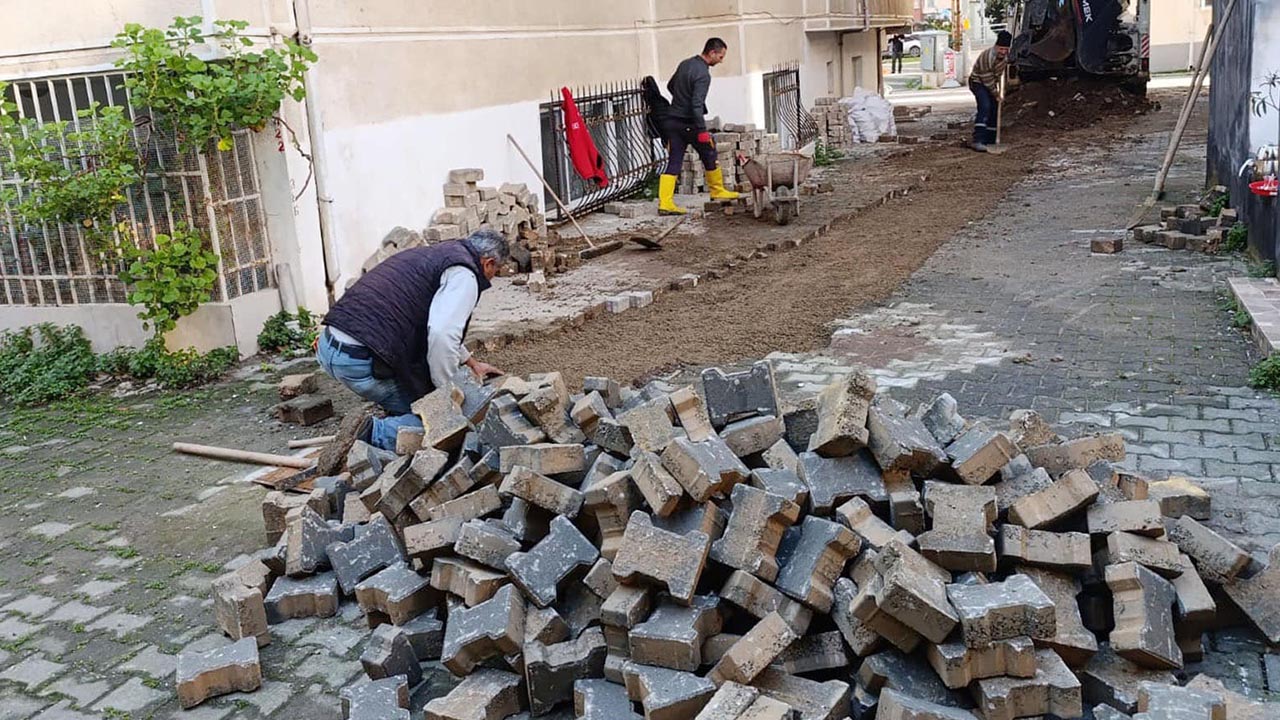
215,192
784,111
615,116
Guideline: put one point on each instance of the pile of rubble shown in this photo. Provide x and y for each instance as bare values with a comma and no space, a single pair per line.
511,209
1191,227
730,139
713,554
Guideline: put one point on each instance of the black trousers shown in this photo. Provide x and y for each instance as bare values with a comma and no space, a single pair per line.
984,123
680,134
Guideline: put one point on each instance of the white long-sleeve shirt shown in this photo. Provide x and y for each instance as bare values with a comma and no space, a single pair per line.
451,307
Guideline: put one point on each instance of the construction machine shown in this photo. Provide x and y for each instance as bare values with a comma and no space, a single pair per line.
1102,38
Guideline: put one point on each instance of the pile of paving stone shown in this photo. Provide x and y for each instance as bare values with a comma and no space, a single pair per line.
731,139
683,552
1191,227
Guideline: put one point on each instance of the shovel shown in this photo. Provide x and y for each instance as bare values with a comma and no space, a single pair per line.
656,243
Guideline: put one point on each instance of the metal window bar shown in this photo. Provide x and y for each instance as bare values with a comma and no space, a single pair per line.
615,117
784,111
61,266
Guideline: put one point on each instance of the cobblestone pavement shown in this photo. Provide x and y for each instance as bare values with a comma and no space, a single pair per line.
108,549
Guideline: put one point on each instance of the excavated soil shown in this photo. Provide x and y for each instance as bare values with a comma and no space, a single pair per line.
1071,103
786,301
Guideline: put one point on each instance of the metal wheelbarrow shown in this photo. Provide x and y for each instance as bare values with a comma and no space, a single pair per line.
775,181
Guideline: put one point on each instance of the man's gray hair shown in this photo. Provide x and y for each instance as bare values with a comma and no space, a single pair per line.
489,244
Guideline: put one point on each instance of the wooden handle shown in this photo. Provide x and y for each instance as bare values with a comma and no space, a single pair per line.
244,456
310,442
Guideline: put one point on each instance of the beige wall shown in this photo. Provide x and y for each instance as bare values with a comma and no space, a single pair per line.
1177,32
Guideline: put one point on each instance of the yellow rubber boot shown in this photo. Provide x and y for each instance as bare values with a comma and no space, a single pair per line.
715,181
666,196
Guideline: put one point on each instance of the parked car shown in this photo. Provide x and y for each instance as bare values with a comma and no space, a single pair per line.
910,47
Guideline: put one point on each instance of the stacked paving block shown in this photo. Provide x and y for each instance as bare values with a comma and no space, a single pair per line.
1191,227
731,139
702,552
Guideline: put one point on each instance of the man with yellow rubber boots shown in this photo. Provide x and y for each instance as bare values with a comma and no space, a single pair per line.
686,125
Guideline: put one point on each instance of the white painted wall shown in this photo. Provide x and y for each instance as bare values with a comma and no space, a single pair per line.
1266,60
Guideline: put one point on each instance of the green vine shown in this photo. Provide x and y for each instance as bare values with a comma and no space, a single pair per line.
171,280
76,172
208,100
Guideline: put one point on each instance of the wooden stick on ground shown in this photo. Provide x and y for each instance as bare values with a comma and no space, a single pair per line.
552,192
310,442
244,456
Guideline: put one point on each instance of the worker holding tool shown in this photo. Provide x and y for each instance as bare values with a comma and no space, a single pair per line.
984,83
396,334
685,124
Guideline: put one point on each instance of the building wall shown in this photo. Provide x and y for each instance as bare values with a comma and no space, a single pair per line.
406,90
1177,33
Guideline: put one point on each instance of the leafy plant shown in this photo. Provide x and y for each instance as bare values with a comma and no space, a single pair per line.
73,171
1218,205
1237,238
1262,270
171,279
288,333
45,363
999,11
1240,319
1266,374
824,156
188,368
208,100
1267,97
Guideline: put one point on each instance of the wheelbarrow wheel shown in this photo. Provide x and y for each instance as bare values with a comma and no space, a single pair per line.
782,213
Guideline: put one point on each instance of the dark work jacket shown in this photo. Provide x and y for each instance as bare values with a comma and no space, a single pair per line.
658,107
688,87
389,307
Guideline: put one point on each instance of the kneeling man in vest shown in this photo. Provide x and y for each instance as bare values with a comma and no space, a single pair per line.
396,335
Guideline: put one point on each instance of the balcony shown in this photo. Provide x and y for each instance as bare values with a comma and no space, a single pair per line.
853,15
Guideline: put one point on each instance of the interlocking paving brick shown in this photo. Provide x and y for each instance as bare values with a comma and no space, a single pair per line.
1259,597
487,542
858,516
812,700
74,611
541,491
901,594
1179,496
962,518
902,442
484,695
959,665
1014,608
239,610
450,485
978,454
754,651
673,635
545,458
1054,690
1078,454
396,595
862,640
120,623
405,480
753,436
812,559
32,606
666,694
1029,429
1214,556
490,629
759,599
1143,607
472,582
704,468
732,396
1071,640
552,670
1073,492
595,699
730,702
310,597
306,538
425,634
441,414
547,404
152,662
473,505
783,482
382,699
813,653
896,705
834,481
942,419
389,654
649,424
842,416
655,555
33,671
659,487
557,559
611,501
1158,555
429,539
1067,551
233,668
755,528
1156,702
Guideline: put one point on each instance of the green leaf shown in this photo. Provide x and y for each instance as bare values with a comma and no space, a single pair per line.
195,65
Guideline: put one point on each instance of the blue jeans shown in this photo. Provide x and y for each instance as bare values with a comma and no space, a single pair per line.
357,375
984,125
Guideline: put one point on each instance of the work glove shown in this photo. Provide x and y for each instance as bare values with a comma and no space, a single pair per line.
704,137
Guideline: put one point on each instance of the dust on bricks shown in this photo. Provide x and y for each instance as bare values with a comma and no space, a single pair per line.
472,582
1159,555
896,705
755,527
233,668
1214,556
691,410
650,424
941,417
1071,493
552,670
733,396
487,542
307,537
1115,681
1143,603
429,539
541,491
1179,497
491,629
659,487
1157,702
908,588
959,665
1071,640
1065,551
1259,597
673,635
544,458
978,454
899,441
858,516
484,695
559,558
389,654
783,482
812,557
842,416
396,595
962,518
753,435
316,596
596,699
386,699
442,418
376,548
1140,517
1078,454
1019,479
704,468
834,481
1014,608
754,651
666,694
1054,690
653,554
